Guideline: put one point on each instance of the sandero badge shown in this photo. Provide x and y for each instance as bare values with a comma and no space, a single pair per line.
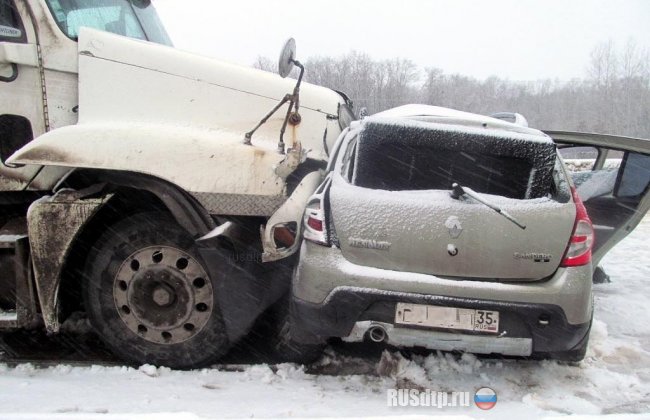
485,398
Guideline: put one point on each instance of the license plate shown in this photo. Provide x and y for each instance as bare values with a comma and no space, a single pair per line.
447,318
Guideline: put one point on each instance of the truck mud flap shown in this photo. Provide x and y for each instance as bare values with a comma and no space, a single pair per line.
53,223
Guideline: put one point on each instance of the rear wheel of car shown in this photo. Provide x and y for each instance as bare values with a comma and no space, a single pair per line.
281,344
149,297
576,354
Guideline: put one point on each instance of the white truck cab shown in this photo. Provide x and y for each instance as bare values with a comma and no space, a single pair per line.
102,120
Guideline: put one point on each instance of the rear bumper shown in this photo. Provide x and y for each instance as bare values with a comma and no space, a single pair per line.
331,296
439,340
350,312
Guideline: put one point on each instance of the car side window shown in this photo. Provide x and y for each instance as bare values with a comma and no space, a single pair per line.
593,175
579,158
635,177
11,27
336,151
347,163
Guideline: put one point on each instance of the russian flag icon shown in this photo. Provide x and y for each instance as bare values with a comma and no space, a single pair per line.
485,398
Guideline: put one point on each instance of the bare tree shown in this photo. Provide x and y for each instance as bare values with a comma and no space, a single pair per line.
613,98
266,64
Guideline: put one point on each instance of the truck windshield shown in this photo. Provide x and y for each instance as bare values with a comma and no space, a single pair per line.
133,18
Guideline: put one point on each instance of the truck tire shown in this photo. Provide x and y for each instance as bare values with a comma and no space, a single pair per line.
148,296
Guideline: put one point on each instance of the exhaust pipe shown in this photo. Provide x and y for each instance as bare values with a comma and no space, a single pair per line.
377,334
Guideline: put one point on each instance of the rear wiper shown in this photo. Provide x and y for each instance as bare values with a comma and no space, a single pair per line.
458,191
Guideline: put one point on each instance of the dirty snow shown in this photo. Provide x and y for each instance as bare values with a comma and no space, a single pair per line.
614,378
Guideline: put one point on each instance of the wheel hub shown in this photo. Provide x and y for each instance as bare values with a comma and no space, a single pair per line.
163,294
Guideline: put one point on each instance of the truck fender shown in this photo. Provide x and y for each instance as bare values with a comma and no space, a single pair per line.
290,212
187,212
197,160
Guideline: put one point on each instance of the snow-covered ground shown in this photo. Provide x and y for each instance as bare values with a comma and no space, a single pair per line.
614,378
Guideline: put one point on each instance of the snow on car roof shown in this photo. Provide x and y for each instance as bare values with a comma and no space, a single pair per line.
430,114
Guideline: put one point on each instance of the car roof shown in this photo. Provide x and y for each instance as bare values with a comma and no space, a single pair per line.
441,115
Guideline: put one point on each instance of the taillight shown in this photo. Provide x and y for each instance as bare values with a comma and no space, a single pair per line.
314,220
582,239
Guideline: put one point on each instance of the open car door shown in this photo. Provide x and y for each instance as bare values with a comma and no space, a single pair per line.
612,176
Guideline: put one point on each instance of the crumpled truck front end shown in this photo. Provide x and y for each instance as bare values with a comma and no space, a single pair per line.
181,117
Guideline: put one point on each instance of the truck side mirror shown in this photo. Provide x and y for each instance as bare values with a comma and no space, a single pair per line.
287,58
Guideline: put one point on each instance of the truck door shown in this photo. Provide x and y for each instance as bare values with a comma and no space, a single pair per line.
21,104
612,176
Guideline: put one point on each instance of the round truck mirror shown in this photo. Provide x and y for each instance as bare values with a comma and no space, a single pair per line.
287,56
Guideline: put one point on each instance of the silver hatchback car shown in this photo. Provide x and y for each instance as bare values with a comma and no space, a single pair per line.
446,230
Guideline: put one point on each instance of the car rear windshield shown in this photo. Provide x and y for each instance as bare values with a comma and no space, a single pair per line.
419,156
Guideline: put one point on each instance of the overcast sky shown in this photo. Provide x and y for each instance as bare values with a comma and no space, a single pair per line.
515,39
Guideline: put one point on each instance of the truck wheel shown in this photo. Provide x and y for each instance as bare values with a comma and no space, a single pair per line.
149,297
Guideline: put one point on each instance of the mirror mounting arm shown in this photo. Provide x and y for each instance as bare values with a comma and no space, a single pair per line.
286,63
291,116
248,136
294,102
